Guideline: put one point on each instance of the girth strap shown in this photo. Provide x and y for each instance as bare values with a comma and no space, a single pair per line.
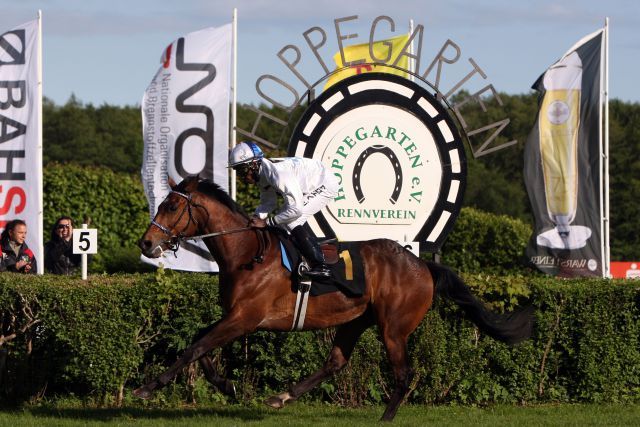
300,309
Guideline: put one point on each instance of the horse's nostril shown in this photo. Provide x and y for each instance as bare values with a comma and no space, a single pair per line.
145,244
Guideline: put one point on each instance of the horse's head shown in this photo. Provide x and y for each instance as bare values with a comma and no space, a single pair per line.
177,217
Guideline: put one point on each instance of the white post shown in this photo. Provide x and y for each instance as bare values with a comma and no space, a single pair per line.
40,248
607,243
234,96
83,257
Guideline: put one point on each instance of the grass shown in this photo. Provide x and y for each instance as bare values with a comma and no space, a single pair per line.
325,415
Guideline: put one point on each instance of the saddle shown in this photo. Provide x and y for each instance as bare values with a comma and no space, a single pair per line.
330,250
342,258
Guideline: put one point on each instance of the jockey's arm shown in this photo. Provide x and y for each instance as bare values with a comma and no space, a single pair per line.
268,202
291,192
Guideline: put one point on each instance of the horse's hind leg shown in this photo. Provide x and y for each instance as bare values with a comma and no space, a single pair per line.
402,373
221,383
395,328
224,385
343,344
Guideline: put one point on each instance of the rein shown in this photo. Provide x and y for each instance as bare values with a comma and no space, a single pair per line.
219,233
174,240
259,258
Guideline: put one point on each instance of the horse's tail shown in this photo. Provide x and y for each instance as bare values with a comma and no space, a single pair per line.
510,328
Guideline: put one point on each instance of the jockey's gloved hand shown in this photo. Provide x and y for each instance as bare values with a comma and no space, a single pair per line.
257,222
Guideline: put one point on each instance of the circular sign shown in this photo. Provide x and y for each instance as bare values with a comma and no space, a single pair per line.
397,155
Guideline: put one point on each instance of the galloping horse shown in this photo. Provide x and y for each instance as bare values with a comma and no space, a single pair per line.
399,291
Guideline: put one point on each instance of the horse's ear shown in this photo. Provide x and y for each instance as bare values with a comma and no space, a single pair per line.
172,183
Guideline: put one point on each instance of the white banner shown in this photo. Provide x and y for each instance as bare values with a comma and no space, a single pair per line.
20,133
185,120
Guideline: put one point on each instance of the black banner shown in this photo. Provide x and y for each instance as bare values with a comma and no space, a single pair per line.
562,165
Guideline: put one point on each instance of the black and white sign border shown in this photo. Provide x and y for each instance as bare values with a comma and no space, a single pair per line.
397,92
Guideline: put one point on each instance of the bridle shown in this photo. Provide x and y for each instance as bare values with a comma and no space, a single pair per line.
173,243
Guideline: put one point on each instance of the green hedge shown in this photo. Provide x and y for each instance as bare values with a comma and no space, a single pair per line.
482,241
102,338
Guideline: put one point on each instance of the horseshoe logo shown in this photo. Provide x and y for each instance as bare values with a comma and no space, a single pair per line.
357,188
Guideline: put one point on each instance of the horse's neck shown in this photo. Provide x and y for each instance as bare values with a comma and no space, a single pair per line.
229,250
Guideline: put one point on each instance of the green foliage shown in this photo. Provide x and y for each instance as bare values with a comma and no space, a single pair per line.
624,180
119,259
495,182
482,241
102,338
107,136
501,196
95,335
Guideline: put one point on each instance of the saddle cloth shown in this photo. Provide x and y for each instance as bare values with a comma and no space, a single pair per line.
342,258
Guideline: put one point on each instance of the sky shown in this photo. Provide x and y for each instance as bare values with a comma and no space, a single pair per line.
108,51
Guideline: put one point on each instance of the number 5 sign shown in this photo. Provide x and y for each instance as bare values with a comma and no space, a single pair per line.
85,241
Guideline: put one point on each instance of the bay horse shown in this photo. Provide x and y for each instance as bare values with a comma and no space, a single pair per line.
400,289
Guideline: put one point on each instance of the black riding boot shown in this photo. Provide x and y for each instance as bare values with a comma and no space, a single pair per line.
307,244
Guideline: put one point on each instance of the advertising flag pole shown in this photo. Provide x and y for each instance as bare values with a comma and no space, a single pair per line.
606,242
39,178
602,157
234,97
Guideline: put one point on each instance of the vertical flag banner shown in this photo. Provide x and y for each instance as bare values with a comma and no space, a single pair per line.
20,133
562,164
389,48
185,126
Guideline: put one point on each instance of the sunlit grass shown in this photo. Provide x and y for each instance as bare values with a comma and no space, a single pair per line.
325,415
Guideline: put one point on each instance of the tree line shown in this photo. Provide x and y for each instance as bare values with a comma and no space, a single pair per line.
111,136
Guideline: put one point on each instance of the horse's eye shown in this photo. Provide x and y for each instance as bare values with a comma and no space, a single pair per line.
173,208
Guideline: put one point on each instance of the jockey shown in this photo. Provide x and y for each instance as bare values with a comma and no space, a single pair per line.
306,187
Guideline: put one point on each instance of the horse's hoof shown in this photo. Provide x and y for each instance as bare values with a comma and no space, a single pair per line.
275,402
278,401
143,392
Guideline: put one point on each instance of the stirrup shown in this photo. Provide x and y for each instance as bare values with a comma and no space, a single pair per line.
303,269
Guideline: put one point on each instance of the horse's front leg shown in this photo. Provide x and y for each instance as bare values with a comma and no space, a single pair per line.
234,325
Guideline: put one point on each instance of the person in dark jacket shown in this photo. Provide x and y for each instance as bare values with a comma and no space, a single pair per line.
58,252
15,255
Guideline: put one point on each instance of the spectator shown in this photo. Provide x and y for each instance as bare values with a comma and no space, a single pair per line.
16,255
58,252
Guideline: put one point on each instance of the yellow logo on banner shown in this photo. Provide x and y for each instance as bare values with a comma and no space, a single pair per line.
361,52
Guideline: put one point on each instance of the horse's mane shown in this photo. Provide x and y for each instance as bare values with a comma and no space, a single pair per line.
213,190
